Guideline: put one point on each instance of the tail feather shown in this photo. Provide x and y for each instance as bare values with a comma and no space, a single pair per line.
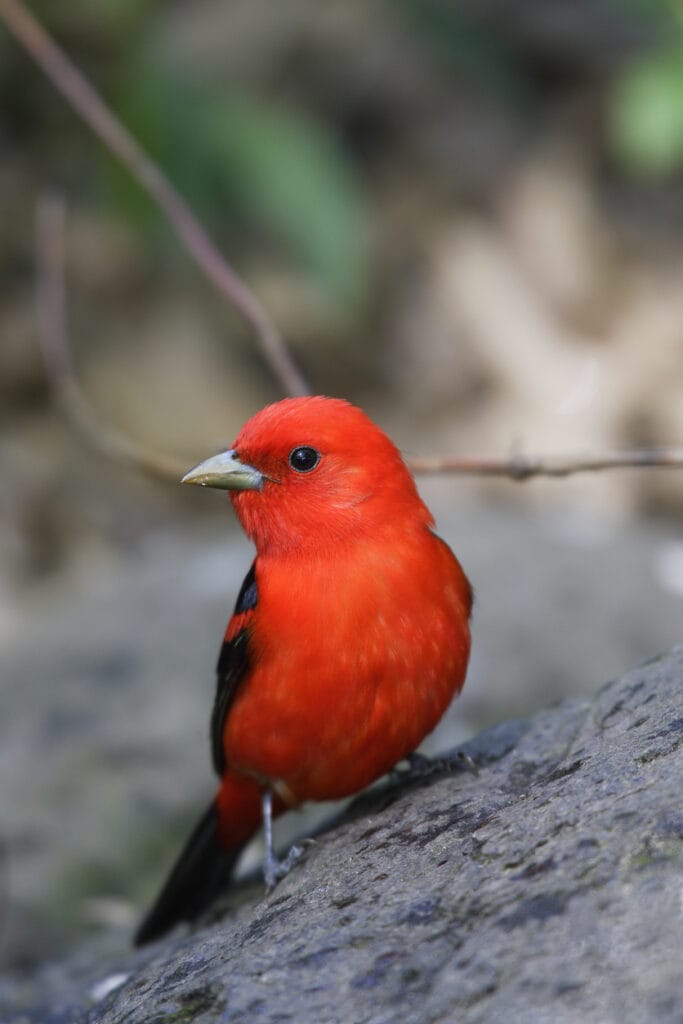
200,874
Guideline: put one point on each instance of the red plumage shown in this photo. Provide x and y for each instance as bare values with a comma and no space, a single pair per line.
350,636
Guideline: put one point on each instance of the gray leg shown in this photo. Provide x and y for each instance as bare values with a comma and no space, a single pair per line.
274,869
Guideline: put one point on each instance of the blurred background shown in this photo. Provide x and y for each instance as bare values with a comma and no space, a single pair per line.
467,217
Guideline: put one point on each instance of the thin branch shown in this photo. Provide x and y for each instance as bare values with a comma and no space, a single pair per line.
114,445
51,303
80,94
120,448
523,467
117,446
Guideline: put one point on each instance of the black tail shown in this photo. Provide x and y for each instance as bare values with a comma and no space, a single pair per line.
201,872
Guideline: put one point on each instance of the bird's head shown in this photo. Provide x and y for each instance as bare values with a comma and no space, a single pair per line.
311,473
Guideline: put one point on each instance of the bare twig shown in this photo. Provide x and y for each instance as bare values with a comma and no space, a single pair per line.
56,352
117,446
52,312
523,467
76,89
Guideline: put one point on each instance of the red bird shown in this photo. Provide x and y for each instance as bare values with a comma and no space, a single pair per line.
349,638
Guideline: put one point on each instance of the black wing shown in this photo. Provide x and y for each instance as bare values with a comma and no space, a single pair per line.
233,664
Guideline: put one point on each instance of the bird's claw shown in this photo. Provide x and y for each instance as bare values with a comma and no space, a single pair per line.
421,767
274,869
461,758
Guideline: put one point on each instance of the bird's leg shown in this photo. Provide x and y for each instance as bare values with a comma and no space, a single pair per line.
420,766
270,863
274,869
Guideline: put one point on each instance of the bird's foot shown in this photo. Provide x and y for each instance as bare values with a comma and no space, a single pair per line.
421,767
274,869
462,760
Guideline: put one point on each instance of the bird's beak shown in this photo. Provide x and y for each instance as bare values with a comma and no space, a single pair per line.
225,472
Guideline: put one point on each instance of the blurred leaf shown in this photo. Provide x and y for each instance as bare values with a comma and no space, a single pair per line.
646,114
662,13
246,161
289,174
161,116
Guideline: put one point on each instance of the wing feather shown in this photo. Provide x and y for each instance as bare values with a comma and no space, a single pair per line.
233,664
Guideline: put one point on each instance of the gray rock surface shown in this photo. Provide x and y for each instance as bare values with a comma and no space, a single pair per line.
107,678
546,889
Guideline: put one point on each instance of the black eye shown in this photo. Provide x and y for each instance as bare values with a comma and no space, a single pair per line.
304,459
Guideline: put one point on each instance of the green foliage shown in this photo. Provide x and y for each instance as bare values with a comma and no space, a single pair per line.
646,114
243,161
289,173
467,45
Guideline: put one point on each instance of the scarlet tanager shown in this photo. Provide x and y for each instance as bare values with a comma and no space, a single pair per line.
348,641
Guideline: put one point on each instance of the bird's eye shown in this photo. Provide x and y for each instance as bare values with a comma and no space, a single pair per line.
304,459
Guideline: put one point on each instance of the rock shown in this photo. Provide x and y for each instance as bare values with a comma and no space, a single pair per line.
546,889
107,668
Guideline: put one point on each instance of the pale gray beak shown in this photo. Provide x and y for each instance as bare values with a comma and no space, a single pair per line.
225,472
